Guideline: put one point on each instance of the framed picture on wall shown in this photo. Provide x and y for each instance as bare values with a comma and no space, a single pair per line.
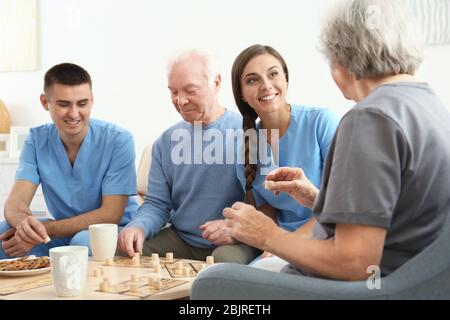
19,33
17,139
4,145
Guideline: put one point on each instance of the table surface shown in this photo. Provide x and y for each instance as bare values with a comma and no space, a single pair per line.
114,273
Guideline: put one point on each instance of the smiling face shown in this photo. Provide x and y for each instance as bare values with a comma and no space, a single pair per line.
264,84
191,93
70,108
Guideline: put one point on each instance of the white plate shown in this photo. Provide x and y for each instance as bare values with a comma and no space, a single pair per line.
23,273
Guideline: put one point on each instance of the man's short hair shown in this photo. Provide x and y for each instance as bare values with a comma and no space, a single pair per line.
212,68
66,74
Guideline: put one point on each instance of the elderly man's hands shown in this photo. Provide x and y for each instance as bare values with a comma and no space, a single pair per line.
251,226
131,240
294,182
217,232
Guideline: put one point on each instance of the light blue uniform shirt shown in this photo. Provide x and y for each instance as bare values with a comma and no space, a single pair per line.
304,145
104,166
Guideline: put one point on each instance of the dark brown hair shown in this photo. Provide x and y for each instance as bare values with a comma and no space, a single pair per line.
67,74
248,113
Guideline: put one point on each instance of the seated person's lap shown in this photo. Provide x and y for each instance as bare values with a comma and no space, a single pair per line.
79,239
169,241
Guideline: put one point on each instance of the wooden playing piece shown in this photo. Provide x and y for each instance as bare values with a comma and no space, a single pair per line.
155,263
97,273
268,185
104,286
134,277
179,265
134,288
169,256
187,271
155,256
209,260
109,262
106,280
157,268
137,255
157,284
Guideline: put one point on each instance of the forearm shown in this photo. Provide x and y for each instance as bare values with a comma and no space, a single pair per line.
306,230
150,219
15,212
319,257
70,226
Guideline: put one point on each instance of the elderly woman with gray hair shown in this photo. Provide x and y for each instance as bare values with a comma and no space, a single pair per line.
384,193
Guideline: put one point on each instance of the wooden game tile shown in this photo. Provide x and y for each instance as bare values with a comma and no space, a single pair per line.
197,266
171,269
144,262
144,288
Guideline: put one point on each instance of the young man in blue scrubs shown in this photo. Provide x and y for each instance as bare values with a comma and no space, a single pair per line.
86,168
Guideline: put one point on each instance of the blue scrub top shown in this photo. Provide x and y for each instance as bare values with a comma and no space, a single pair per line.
105,165
304,145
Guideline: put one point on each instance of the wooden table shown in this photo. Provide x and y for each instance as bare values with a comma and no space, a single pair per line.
115,275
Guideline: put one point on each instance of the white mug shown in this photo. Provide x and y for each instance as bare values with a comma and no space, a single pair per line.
69,269
103,239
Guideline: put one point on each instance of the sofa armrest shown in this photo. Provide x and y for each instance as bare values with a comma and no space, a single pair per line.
239,282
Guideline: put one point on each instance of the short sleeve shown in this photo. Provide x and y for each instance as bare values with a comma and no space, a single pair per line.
120,178
362,175
28,168
327,124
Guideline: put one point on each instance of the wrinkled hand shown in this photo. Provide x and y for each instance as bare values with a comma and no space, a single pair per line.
13,246
217,232
131,240
249,225
294,182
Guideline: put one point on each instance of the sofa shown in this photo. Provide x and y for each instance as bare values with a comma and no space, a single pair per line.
425,276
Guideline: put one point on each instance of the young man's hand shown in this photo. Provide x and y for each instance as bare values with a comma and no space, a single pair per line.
13,246
31,231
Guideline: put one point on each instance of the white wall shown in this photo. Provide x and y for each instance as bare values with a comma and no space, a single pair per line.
125,46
